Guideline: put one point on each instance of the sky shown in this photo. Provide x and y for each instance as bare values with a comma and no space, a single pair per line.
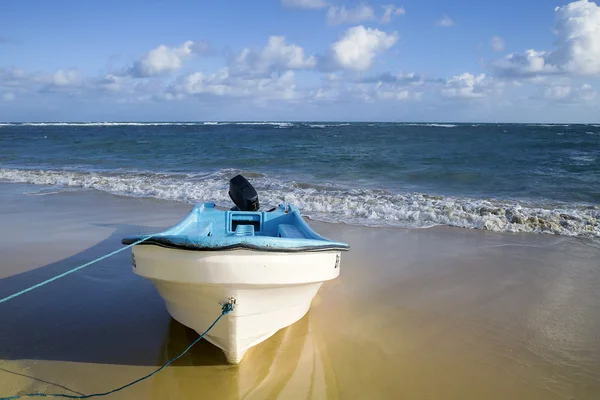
300,60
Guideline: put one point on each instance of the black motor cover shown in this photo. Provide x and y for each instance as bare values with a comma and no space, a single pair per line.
243,194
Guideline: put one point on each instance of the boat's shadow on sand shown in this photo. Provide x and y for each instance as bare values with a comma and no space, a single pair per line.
101,314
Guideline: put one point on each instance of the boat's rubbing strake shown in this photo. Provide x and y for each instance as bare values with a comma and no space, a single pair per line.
194,246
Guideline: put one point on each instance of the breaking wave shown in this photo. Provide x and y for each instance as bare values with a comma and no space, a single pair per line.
213,123
434,125
274,124
104,124
325,125
334,203
278,124
548,125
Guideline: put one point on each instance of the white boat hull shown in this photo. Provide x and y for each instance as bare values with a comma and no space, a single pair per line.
272,290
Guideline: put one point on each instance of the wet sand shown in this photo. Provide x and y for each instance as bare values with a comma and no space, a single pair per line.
438,313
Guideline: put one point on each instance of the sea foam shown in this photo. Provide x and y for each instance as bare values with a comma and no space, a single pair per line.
335,204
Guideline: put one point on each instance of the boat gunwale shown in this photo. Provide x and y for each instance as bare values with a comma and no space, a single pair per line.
155,241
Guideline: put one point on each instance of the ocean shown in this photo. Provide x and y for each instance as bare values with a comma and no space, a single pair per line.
498,177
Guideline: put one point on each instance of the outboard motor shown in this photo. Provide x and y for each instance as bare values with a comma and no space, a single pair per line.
243,194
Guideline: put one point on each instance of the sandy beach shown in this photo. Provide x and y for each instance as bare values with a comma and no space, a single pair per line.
438,313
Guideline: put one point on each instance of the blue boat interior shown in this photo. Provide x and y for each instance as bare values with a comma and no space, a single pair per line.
208,228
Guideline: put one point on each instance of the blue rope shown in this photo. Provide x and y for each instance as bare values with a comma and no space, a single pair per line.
226,309
12,296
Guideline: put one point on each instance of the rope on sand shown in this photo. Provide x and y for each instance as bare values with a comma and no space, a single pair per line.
104,257
226,309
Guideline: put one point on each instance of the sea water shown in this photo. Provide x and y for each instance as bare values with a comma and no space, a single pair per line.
500,177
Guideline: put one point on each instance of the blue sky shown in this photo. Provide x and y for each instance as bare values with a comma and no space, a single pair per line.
535,61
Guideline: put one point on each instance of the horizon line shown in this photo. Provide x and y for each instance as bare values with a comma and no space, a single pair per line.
208,122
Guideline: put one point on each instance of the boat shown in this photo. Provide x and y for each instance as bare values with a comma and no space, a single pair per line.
269,264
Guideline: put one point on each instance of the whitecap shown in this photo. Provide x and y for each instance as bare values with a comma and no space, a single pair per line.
276,124
433,125
106,124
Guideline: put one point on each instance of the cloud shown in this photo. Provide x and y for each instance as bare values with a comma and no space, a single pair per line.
357,48
586,92
577,26
61,80
386,91
445,22
578,30
304,3
364,92
557,92
529,64
468,86
164,59
568,94
342,15
277,55
201,83
222,84
10,96
386,87
497,43
114,84
283,87
384,94
390,11
66,78
325,94
409,78
15,77
67,82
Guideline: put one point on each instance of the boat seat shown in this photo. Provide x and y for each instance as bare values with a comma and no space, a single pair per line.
289,231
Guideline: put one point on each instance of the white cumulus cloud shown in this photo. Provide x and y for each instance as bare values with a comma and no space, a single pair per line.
10,96
528,64
276,55
467,86
342,15
222,84
165,59
358,47
577,26
445,22
304,3
201,83
389,11
578,30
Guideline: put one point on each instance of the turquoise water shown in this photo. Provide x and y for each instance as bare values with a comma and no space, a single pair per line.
502,177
